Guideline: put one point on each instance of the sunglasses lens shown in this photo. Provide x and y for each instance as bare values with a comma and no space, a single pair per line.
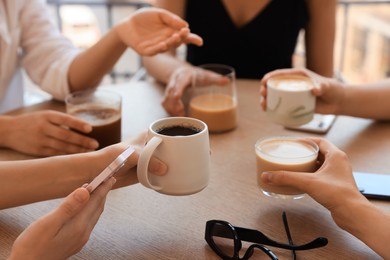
223,239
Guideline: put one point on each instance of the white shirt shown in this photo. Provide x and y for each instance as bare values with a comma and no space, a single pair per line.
29,39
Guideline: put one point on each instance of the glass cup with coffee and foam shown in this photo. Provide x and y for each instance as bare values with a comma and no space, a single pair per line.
284,153
100,108
213,97
289,100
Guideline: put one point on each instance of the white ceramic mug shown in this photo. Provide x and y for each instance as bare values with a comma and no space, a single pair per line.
183,144
289,100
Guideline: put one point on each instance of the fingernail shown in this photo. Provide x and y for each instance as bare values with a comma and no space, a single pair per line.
87,128
113,180
158,168
93,144
80,196
267,177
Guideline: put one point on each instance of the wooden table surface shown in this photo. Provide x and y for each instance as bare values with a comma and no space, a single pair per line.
139,223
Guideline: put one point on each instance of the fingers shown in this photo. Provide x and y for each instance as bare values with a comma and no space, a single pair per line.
206,78
298,180
95,206
72,205
174,91
157,167
67,136
190,38
72,122
171,19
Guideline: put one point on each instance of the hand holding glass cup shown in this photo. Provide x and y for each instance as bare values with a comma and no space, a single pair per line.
100,108
213,97
284,153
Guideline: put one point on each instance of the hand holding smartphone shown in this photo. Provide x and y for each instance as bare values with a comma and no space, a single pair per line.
111,169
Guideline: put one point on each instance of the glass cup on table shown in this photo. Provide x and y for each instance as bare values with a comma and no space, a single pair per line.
213,97
283,153
100,108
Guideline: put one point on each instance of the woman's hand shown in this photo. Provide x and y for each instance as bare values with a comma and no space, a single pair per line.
46,133
329,92
183,78
127,175
64,231
152,30
332,185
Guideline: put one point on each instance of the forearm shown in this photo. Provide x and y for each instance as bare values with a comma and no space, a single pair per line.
36,180
90,66
368,223
320,37
367,101
4,129
162,66
30,181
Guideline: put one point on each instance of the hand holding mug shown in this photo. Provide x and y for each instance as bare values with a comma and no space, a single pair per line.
329,92
182,143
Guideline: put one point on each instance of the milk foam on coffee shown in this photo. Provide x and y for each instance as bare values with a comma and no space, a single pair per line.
287,152
292,84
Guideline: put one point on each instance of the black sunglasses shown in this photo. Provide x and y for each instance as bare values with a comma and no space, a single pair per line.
226,240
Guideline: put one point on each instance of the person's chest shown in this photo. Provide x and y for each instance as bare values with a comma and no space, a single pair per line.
243,12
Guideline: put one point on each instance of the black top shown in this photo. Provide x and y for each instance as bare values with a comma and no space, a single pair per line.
265,43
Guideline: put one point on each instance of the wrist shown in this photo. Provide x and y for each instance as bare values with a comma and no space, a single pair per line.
352,216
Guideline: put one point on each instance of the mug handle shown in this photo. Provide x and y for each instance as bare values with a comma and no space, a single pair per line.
143,163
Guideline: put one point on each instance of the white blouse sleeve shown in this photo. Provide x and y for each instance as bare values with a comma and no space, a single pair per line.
46,54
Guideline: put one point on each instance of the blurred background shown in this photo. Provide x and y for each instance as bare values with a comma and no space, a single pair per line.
362,47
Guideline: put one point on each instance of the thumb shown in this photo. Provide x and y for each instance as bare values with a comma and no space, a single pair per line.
72,205
297,180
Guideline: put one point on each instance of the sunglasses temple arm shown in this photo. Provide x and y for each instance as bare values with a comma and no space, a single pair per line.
288,233
254,236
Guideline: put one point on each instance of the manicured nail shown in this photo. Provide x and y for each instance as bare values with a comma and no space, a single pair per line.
267,177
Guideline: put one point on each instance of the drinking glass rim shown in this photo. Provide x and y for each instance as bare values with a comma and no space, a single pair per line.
287,138
230,70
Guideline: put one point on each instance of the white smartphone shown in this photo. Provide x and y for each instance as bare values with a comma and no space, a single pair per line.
111,169
373,185
320,124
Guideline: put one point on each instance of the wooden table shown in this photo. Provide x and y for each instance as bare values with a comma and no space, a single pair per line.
139,223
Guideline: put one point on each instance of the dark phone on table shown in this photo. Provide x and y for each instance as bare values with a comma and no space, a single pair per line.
373,185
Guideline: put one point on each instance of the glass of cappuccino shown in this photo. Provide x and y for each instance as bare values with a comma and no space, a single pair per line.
284,153
213,97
